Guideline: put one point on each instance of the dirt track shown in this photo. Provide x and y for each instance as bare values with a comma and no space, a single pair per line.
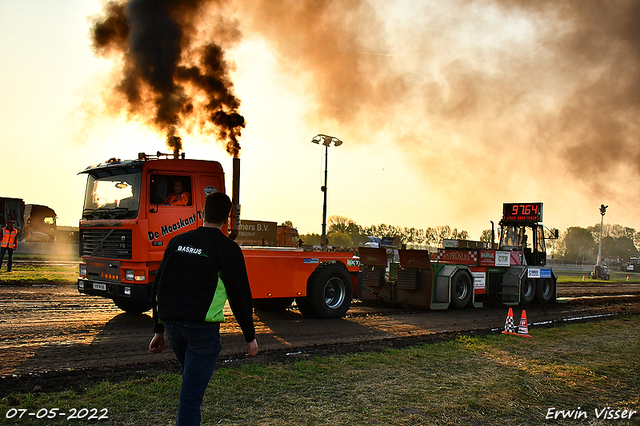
52,336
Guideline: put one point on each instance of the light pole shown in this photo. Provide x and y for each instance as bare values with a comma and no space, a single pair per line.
325,140
603,210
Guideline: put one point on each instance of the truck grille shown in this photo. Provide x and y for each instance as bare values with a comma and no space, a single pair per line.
107,243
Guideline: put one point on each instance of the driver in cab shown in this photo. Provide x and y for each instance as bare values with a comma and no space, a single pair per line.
180,197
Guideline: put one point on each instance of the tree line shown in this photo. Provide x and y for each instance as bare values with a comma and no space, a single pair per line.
576,243
344,232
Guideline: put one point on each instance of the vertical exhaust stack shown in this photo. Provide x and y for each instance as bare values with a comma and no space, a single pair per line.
235,200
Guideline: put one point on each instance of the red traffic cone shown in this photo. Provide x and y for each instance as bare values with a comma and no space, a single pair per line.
523,328
509,326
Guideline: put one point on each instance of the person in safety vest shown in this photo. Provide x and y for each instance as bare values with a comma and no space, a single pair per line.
180,197
8,243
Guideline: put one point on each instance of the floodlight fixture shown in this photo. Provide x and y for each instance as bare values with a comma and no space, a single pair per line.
326,140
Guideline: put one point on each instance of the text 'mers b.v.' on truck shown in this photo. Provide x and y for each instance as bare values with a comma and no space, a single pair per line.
127,221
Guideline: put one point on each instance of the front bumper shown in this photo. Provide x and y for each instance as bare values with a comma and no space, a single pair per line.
115,291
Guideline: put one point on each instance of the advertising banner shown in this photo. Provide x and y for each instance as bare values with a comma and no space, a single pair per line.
257,233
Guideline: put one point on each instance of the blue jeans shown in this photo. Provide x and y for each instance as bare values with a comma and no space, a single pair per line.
196,346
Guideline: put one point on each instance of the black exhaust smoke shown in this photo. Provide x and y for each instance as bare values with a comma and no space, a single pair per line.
168,78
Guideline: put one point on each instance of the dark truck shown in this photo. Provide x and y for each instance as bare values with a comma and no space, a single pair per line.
39,223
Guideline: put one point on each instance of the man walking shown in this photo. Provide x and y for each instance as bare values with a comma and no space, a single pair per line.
8,243
199,271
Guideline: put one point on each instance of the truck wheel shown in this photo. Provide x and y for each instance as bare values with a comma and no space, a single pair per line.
134,308
545,290
461,289
527,291
329,293
276,304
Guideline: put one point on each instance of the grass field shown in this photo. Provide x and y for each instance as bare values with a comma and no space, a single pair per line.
573,371
27,274
616,277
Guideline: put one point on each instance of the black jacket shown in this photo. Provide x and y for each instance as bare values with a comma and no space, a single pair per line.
199,271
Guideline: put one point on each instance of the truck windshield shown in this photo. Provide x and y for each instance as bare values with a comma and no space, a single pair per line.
523,238
114,196
511,237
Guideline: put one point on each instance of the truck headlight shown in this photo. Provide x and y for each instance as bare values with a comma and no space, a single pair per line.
139,276
128,274
83,270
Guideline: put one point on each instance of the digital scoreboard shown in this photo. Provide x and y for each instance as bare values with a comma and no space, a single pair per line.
522,212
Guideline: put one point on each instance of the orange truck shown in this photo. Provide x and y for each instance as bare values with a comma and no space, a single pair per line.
132,208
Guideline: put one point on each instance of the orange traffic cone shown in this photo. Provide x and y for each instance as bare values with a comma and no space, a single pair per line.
523,328
509,326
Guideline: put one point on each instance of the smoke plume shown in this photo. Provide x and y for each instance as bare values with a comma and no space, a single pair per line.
168,75
491,100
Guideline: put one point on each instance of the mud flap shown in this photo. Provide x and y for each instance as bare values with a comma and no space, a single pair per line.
441,297
510,289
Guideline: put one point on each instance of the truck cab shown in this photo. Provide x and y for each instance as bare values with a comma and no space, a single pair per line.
39,223
527,238
128,219
522,231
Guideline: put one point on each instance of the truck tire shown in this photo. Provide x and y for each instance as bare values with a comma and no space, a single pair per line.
545,290
275,304
133,308
461,288
527,291
329,293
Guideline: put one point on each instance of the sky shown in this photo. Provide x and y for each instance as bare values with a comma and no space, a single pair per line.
447,110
